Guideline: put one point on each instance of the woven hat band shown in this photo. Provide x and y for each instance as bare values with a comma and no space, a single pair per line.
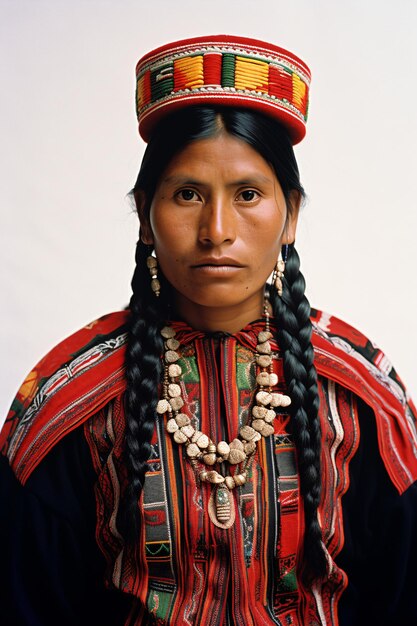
223,70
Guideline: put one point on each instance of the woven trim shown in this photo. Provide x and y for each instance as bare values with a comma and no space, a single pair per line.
158,61
267,51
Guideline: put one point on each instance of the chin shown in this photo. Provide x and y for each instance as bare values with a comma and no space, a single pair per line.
222,296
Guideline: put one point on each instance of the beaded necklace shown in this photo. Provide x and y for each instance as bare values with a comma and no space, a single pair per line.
202,452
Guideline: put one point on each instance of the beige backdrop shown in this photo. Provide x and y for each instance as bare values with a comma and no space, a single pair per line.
70,153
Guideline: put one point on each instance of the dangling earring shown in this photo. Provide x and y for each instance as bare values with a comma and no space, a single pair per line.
277,275
279,269
152,264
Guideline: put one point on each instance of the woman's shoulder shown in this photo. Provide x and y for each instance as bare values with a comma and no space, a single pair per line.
348,338
347,347
348,358
72,381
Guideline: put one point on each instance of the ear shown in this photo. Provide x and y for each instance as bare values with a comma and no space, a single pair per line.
146,234
292,217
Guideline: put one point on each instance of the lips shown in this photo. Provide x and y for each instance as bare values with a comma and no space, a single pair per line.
217,262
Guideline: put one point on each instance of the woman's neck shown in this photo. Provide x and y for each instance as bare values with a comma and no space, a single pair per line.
229,319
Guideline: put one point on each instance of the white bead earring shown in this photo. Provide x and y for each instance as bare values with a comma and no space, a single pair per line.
152,264
279,269
277,275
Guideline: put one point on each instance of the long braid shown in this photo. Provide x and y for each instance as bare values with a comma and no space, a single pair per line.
143,374
292,312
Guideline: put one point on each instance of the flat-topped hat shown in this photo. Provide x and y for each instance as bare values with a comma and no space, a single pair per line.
223,70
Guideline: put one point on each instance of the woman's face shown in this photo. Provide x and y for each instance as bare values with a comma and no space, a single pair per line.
217,222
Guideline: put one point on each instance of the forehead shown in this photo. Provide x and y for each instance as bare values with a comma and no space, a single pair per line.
222,156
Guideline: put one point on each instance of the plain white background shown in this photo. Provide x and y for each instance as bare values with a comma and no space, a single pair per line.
70,153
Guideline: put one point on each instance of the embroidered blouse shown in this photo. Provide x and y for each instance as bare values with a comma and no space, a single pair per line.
187,570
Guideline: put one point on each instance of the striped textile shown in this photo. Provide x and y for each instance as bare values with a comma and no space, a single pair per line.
195,572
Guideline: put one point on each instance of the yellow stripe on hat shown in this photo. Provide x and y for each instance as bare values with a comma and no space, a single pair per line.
140,94
191,71
251,74
298,91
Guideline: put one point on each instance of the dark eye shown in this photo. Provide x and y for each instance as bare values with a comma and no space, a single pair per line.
187,194
248,195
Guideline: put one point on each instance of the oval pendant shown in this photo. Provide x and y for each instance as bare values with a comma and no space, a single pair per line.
221,507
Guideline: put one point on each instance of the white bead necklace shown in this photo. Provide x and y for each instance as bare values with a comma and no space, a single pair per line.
202,452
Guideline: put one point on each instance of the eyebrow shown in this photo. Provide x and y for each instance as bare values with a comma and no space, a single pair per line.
179,179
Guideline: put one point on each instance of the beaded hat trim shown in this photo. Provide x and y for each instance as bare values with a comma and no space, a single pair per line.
224,70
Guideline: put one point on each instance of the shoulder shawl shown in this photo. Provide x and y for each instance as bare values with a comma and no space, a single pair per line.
85,371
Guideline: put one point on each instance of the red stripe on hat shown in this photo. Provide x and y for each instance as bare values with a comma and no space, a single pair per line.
280,83
147,93
212,68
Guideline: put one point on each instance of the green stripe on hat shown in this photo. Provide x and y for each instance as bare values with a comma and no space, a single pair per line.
162,81
228,70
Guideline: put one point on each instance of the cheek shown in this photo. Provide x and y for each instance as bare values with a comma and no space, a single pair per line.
169,224
264,236
172,247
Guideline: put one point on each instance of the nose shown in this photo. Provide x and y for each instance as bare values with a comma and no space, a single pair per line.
217,223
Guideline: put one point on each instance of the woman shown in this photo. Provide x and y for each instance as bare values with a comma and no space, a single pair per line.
219,453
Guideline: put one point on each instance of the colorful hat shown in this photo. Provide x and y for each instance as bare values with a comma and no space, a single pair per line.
223,70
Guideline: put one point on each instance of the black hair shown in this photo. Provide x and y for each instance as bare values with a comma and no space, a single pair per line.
292,313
